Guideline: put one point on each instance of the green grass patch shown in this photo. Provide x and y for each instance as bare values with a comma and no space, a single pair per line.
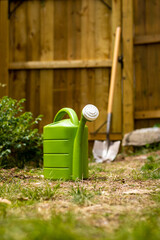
67,226
146,149
150,169
58,227
143,230
81,195
19,192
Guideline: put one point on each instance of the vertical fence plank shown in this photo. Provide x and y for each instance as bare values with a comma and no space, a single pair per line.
77,55
102,51
46,76
90,84
84,52
71,28
140,62
61,28
153,69
128,108
101,96
17,82
117,102
141,81
33,54
146,22
102,31
78,29
71,6
3,48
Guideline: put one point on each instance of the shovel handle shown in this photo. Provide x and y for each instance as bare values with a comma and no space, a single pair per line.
114,68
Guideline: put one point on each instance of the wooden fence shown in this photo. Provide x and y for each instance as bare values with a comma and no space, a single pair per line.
147,62
60,55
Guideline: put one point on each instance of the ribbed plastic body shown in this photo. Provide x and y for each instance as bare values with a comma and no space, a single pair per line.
58,147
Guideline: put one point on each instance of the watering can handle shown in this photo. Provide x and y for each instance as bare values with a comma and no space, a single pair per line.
70,112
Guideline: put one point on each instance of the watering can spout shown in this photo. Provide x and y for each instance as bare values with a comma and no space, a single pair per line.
89,113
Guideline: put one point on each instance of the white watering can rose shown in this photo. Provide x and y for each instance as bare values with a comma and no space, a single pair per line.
90,112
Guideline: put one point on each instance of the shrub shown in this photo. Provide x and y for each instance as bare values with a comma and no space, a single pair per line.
20,142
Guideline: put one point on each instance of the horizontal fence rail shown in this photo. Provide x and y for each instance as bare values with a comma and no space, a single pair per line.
60,64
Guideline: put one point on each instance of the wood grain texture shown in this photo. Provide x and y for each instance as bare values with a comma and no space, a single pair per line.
64,54
117,102
63,64
149,114
17,80
33,54
47,53
147,53
128,103
4,57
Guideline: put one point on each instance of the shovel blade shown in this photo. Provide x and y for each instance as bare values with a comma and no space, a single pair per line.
101,153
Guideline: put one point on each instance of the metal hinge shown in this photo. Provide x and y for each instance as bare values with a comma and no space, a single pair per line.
18,3
108,5
120,60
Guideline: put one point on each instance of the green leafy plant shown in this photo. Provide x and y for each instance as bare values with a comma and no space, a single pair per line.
20,142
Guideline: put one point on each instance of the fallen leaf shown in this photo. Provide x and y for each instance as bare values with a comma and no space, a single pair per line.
137,191
2,200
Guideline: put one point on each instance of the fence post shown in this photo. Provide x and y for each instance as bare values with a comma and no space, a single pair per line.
127,76
3,48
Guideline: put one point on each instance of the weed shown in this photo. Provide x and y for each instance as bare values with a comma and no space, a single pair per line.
151,169
19,192
39,193
97,168
97,190
3,209
137,175
156,196
80,195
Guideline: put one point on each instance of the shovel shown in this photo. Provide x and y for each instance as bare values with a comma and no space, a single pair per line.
106,150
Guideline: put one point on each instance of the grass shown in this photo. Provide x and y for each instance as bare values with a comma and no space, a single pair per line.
68,227
38,228
18,192
150,169
119,201
81,195
57,227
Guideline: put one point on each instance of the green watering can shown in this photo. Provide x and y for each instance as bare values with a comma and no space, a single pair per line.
65,144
